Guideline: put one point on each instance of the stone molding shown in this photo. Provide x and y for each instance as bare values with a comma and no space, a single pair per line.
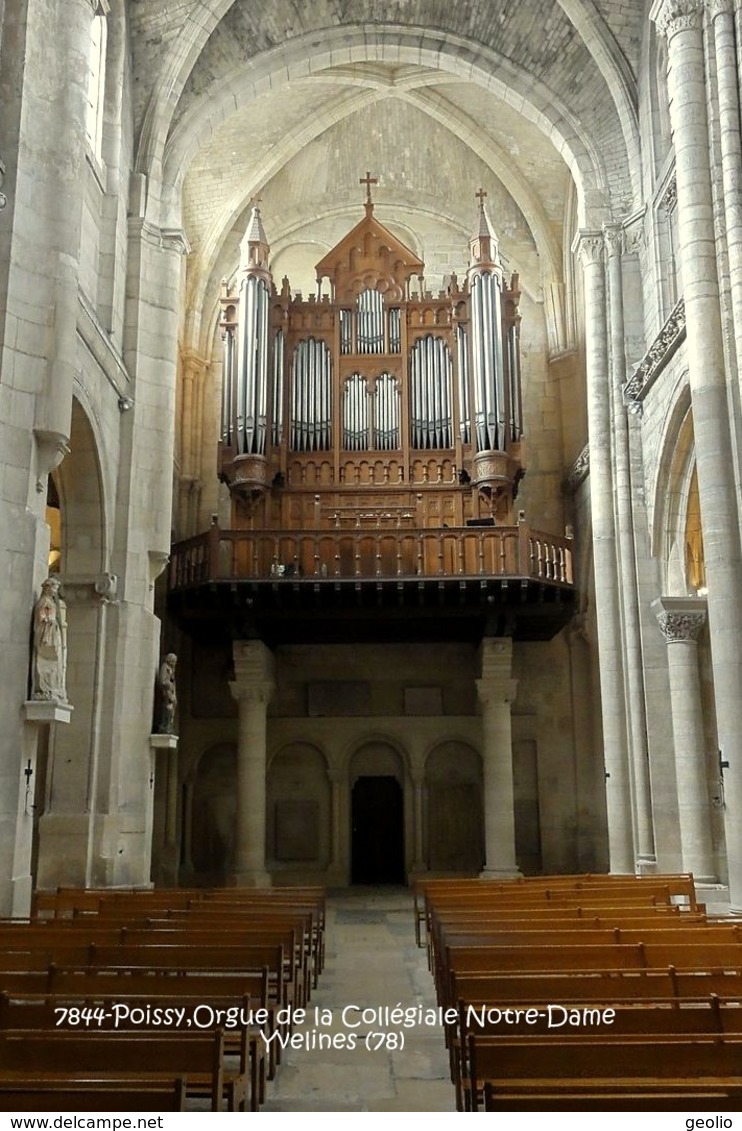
634,234
164,239
579,470
45,711
657,356
669,198
81,589
681,619
673,16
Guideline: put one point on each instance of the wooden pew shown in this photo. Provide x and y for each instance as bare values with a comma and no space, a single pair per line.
196,1057
526,1065
598,1022
33,1091
49,1013
684,1100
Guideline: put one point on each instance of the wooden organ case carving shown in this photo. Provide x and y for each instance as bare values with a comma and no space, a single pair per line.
374,405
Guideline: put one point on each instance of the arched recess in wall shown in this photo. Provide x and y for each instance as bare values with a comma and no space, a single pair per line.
213,812
298,826
677,517
78,491
454,808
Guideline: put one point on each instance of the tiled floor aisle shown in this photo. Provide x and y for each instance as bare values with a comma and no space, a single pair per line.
372,960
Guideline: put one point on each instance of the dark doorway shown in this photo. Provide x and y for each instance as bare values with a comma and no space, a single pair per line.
378,831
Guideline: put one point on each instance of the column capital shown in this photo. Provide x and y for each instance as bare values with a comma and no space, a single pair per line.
680,618
719,8
255,693
673,16
588,246
495,657
254,669
614,238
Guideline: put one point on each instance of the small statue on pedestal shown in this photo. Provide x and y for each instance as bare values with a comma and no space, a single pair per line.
168,694
50,644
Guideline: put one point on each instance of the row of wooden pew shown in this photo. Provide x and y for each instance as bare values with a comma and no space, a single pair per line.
154,1000
613,993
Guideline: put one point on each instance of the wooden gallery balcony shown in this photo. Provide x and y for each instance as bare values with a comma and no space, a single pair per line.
377,583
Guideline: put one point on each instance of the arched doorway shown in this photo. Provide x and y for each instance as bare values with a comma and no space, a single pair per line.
377,815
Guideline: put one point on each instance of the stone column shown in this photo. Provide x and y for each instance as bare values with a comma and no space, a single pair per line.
589,246
496,690
252,687
681,621
418,784
336,873
721,14
682,22
633,664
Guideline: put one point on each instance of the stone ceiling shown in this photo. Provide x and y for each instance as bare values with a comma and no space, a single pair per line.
293,102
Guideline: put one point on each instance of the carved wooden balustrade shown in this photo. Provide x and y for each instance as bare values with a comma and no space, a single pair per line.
381,552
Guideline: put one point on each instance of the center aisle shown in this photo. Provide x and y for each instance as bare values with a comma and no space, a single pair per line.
372,961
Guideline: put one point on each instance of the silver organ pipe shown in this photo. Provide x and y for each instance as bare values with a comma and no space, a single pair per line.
346,331
463,375
355,414
228,388
277,409
311,396
386,413
370,314
487,362
430,401
516,405
395,330
252,372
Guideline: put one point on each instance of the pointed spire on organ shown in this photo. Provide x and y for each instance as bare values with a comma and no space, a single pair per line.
483,245
254,246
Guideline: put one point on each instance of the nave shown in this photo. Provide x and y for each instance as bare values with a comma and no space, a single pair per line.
372,961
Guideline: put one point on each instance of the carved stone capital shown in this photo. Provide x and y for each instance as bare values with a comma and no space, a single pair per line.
719,8
680,618
588,246
673,16
256,694
254,672
615,242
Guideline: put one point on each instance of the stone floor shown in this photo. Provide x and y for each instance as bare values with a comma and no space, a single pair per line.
372,961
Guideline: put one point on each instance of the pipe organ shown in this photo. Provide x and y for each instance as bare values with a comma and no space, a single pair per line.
373,401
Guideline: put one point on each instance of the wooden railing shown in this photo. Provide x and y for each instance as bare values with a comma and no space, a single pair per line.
443,552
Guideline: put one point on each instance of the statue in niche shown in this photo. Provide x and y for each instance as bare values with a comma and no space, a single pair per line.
168,694
50,644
